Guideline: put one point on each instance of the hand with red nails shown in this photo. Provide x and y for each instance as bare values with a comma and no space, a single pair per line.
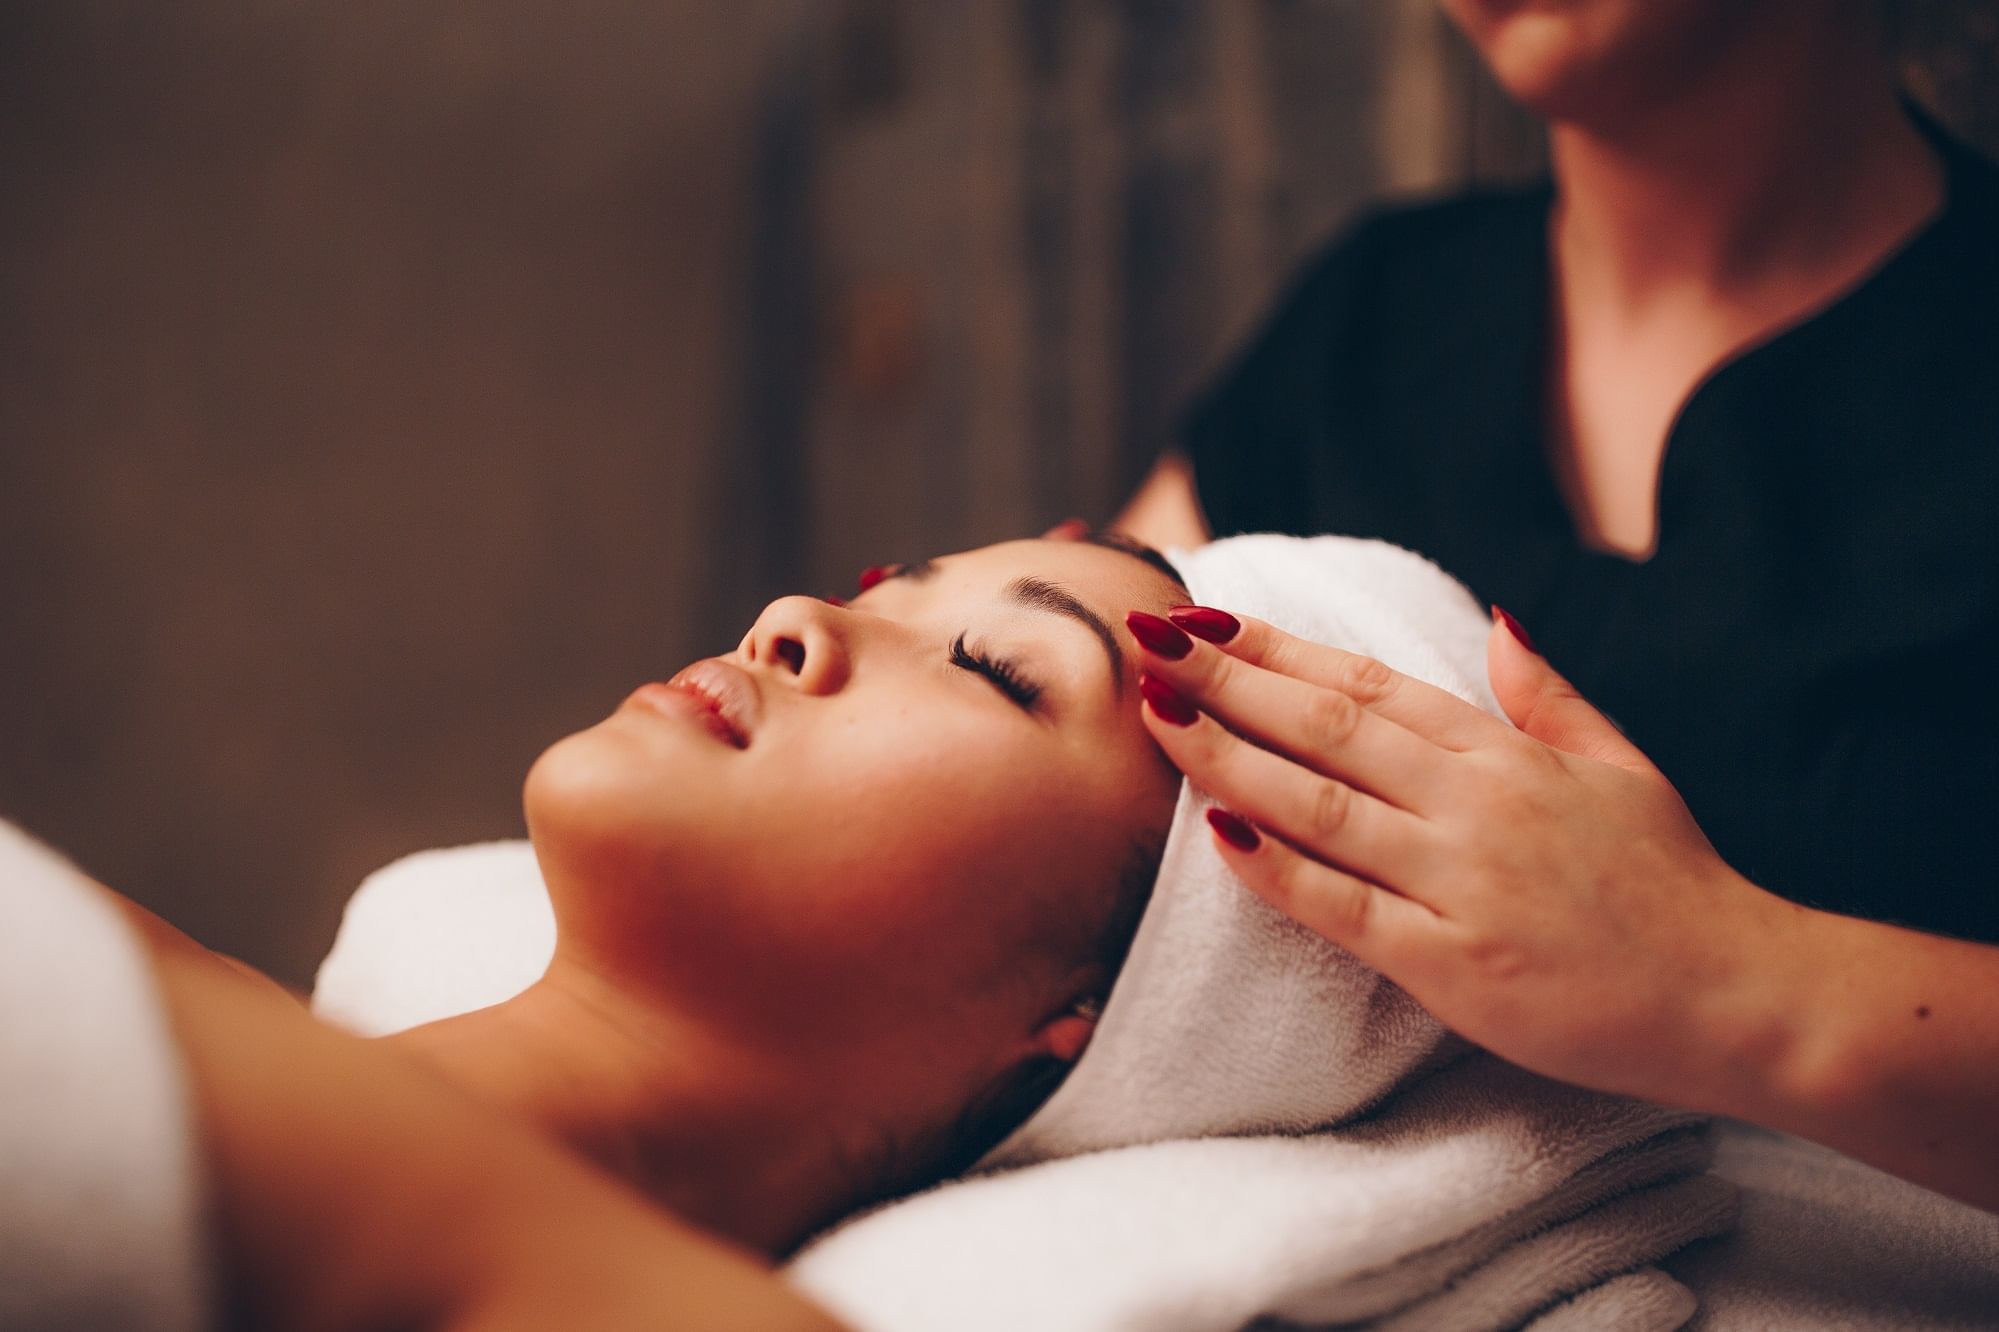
1551,901
1543,890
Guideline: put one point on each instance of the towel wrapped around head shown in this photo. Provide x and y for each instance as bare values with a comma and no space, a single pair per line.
1228,1018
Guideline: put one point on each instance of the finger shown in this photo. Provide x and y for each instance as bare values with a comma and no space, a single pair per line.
1382,929
1323,729
1546,706
1328,819
1437,715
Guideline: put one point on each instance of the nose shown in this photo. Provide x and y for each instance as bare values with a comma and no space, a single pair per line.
802,640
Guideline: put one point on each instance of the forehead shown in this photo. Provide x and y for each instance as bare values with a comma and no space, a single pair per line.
1110,580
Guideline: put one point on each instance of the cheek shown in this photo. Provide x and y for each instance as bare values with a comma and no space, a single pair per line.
926,844
611,823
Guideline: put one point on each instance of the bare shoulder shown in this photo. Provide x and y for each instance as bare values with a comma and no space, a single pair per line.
1165,509
353,1187
164,939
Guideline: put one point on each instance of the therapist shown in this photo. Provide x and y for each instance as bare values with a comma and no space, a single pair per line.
1718,415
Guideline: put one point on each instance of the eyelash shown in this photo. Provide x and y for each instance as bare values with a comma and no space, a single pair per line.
1006,676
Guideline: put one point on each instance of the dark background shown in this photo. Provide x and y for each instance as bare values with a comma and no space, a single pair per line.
387,388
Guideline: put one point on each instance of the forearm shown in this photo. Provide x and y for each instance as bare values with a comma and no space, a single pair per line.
1879,1041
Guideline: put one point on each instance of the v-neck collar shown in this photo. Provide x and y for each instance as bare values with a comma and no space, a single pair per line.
1538,490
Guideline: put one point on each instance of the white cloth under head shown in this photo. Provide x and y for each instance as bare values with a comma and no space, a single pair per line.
1228,1017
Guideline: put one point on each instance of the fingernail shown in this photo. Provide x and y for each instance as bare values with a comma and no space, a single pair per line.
1165,702
873,574
1513,626
1234,829
1217,626
835,601
1158,636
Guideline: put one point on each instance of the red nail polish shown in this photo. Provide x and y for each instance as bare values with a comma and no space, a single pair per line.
873,574
1166,703
1217,626
1158,636
1514,627
836,601
1234,829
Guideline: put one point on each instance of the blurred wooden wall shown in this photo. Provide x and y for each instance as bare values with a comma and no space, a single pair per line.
388,388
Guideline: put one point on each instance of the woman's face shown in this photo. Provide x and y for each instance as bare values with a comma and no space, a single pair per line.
901,822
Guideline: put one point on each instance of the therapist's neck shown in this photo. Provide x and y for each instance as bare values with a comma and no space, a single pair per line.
1787,162
722,1139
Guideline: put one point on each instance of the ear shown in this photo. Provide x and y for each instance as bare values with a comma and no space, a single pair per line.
1069,529
1064,1037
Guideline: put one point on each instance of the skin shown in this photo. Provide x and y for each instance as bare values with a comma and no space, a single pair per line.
348,1186
1544,890
701,1030
782,973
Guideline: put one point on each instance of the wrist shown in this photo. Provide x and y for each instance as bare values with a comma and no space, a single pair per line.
1761,1054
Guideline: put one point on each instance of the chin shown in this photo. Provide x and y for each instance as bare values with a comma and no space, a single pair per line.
1590,60
592,805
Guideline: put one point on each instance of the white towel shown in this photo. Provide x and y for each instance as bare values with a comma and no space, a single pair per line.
1827,1242
436,934
99,1197
1435,1217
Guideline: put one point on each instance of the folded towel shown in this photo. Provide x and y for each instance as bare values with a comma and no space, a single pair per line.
1473,1200
435,934
1827,1242
99,1198
1227,1016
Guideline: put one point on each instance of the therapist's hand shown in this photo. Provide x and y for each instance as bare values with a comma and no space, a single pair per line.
1542,890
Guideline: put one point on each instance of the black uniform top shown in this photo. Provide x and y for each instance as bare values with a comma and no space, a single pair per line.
1812,653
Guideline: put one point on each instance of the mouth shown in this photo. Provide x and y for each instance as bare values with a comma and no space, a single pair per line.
713,692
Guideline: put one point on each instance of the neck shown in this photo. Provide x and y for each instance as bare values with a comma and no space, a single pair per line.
713,1134
1788,160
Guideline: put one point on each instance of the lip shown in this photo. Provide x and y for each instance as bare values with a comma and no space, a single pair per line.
714,692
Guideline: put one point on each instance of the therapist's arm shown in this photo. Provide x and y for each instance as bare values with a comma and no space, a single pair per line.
1545,892
1880,1041
1165,510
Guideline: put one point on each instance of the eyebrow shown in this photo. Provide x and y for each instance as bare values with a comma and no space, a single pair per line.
1035,594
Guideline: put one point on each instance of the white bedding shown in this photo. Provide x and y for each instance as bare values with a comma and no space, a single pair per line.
1823,1243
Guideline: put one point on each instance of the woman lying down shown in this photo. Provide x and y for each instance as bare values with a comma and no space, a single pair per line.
834,914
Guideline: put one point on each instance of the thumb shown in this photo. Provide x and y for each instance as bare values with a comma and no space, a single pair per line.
1544,705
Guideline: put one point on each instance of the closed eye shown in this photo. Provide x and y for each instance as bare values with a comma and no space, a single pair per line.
1005,675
